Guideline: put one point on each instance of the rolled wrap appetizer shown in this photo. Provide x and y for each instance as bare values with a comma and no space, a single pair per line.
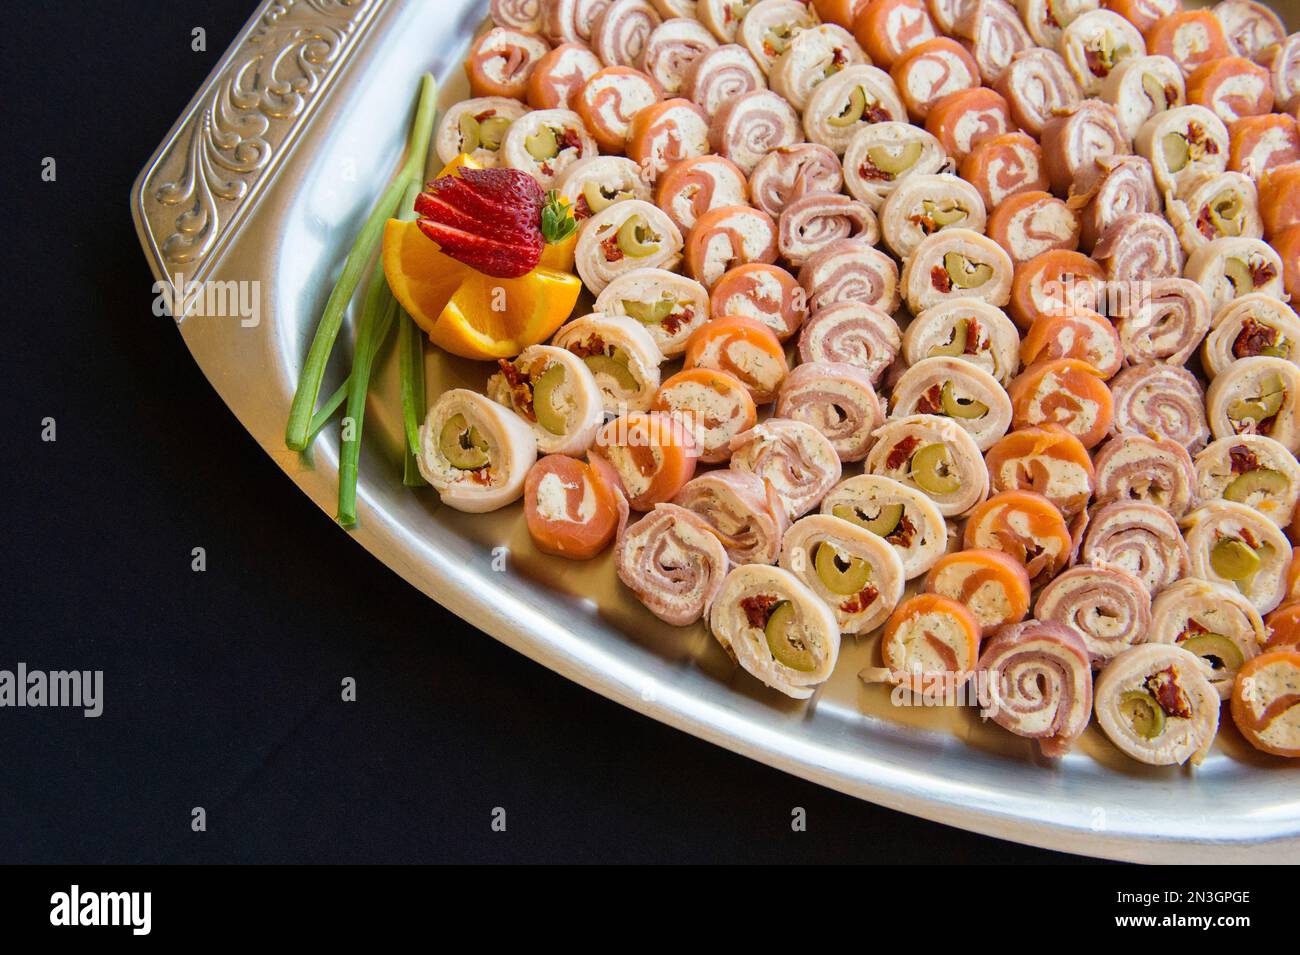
838,400
666,133
971,331
1229,268
593,185
694,186
517,14
743,511
1004,166
1144,14
1120,186
1260,143
743,347
1030,223
1155,703
1108,607
1037,85
795,458
626,236
764,292
883,155
1259,395
1025,526
713,405
777,629
1056,283
930,643
1137,248
1265,704
1141,87
476,127
1283,62
1073,142
672,48
559,75
572,509
934,455
1046,19
1216,207
812,222
621,354
1140,539
850,271
792,172
1065,392
555,392
902,516
1283,624
954,389
546,142
669,306
1161,399
475,452
1147,468
673,563
1232,544
994,34
769,26
1250,27
720,75
856,334
1164,321
1047,460
846,102
1231,87
811,56
619,35
1189,38
1253,470
727,237
751,125
501,61
855,573
923,205
1081,334
956,263
993,585
930,70
653,454
947,13
1183,145
1212,621
963,120
887,29
571,21
1096,43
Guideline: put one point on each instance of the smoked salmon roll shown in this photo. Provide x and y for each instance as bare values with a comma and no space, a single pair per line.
1156,705
1005,166
1031,223
1161,399
1183,145
1039,683
620,353
1142,86
936,456
812,222
672,48
954,389
1120,186
1254,324
794,457
1287,245
1081,334
476,453
768,27
692,187
992,584
1139,247
1234,545
841,12
848,271
501,61
1144,14
743,511
1096,43
1261,143
776,629
1253,470
714,406
628,235
848,100
593,185
653,453
1056,283
974,332
1037,85
855,573
1265,705
1047,460
1214,622
572,509
1228,268
931,70
726,237
1250,27
476,127
962,120
1108,607
1147,468
902,516
1073,142
853,333
673,563
1138,538
883,155
523,15
812,55
1257,395
930,643
1164,321
1065,392
1189,38
994,34
555,392
620,33
766,293
956,263
720,75
888,29
662,134
1283,62
1279,199
743,347
923,205
1231,87
1283,624
669,306
791,172
559,75
751,125
1025,526
838,400
546,142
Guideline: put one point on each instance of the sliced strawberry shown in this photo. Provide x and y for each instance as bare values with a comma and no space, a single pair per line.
489,219
505,260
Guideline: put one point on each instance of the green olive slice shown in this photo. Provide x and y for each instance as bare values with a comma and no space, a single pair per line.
1227,213
1259,481
635,238
894,161
943,213
1177,153
787,648
955,407
882,525
853,110
649,313
1234,559
1216,646
1269,402
1143,713
470,133
549,416
957,344
492,130
932,470
964,273
1155,89
543,144
462,445
1238,273
841,575
616,366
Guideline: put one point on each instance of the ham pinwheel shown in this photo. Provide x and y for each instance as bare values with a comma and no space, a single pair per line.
1039,683
993,585
1028,224
626,236
517,14
1147,468
1004,166
727,237
619,36
546,142
571,21
902,516
1081,334
621,354
779,631
1037,85
672,49
1138,248
764,292
963,120
1254,324
475,452
1253,470
476,127
954,389
1216,207
935,455
1250,27
1025,526
1108,607
838,400
1231,87
850,271
974,332
653,454
1163,322
1141,87
847,101
1120,186
812,222
1047,19
931,70
1260,143
1056,283
714,406
994,35
673,564
794,457
947,13
883,155
923,205
1183,145
1214,622
1157,705
718,76
559,75
953,264
1144,14
501,61
593,185
1096,43
930,645
853,333
1265,704
1226,269
855,573
743,347
1065,392
1283,62
1161,399
662,134
1073,142
811,56
692,187
1138,538
1047,460
751,125
792,172
573,510
769,27
1233,544
554,391
669,306
742,510
1259,395
1189,38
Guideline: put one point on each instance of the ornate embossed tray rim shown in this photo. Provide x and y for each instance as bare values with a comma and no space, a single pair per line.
266,177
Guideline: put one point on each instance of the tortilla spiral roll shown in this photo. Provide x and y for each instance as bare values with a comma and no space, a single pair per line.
936,456
751,125
557,135
742,347
692,187
669,306
1216,207
811,55
714,406
1081,334
1055,283
776,629
769,26
1228,268
1047,460
1183,145
1279,202
1156,705
1120,186
720,75
622,355
947,13
619,36
1030,223
608,101
1253,470
1137,248
1212,621
1161,399
882,156
955,389
1144,14
1141,539
593,185
994,34
744,512
902,516
1264,702
1065,392
476,127
1259,395
1260,143
1189,38
931,70
1253,324
726,237
809,224
501,60
930,642
671,50
1005,166
555,392
517,14
475,452
1146,468
1037,85
1283,62
571,21
1283,624
1073,142
992,584
794,457
1141,87
855,573
653,453
1164,322
850,271
923,205
961,121
1025,526
1234,545
1108,607
673,564
1039,683
666,133
887,29
1097,42
1250,27
854,333
791,172
628,235
573,509
1046,20
1232,88
847,101
559,75
766,293
838,400
956,263
971,331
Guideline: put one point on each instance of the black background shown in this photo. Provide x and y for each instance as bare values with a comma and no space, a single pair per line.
222,688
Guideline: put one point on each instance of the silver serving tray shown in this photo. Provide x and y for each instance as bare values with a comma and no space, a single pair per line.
266,178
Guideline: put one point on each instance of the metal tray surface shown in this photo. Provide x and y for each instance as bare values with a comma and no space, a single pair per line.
266,178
